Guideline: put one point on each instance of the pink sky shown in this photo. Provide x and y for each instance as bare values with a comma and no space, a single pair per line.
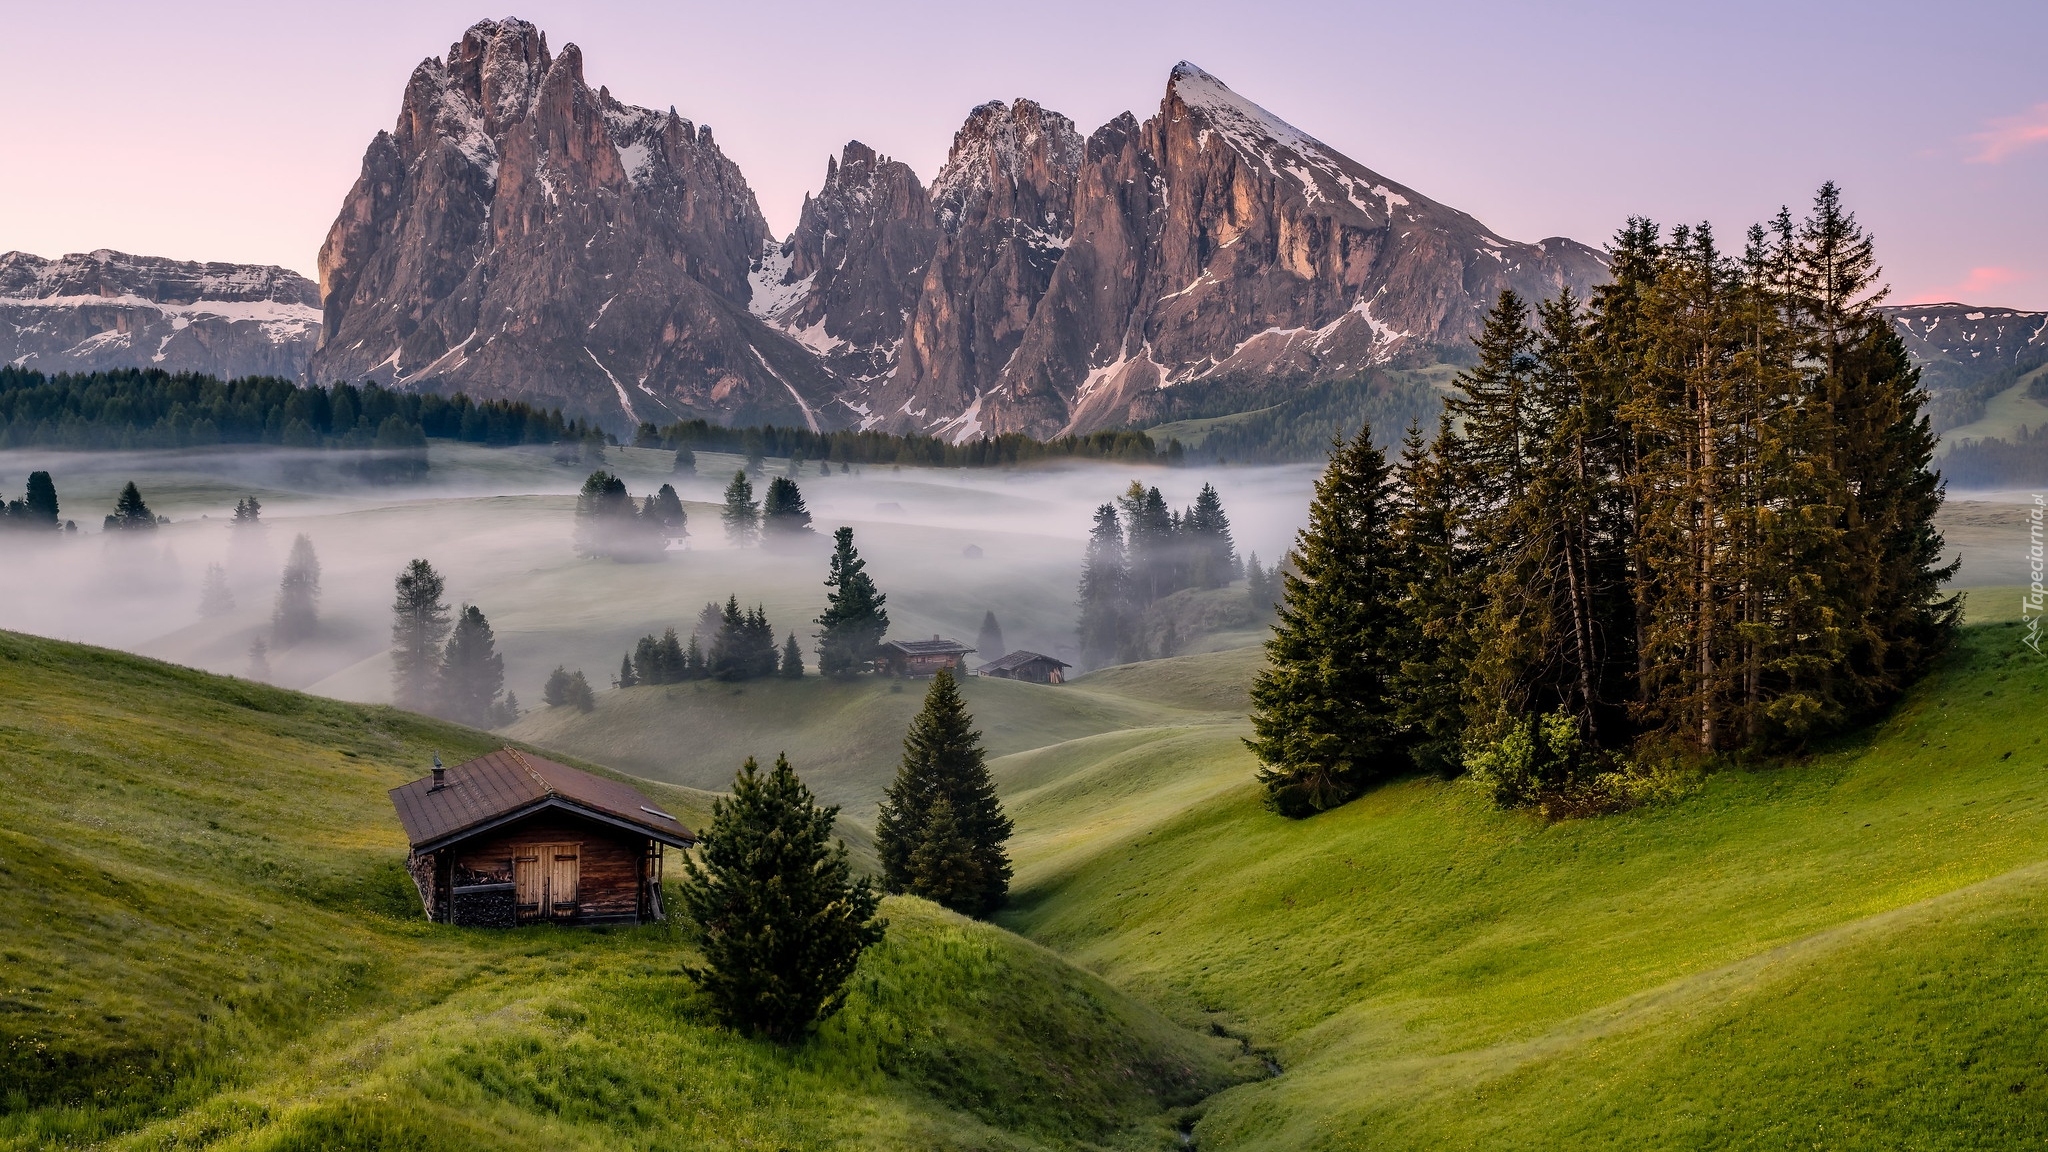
230,131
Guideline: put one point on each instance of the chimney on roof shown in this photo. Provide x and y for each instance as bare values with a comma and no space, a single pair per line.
440,775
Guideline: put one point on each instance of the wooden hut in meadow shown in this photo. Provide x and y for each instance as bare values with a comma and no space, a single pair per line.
1035,667
922,657
511,838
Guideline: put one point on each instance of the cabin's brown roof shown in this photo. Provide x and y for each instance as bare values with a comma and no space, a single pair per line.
508,783
1018,659
932,647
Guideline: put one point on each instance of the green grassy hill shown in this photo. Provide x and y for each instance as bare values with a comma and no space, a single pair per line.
845,736
212,944
1842,951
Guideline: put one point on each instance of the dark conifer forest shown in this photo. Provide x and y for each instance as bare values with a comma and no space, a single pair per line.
1691,516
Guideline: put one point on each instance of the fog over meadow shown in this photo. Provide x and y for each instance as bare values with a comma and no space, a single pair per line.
498,523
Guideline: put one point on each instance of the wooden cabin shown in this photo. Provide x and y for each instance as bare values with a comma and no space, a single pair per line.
1032,666
511,838
922,657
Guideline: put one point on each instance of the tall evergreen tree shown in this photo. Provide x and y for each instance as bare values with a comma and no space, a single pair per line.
741,515
675,520
1213,554
215,597
1324,720
782,512
560,688
472,671
259,660
296,616
784,923
628,676
130,513
419,627
686,462
1439,600
792,660
1150,545
1108,626
855,617
989,644
40,501
248,512
731,648
944,764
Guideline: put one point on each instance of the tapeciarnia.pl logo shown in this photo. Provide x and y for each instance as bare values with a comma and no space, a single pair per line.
2036,599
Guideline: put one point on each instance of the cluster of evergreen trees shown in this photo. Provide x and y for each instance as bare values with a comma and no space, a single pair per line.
779,518
870,447
2020,461
36,511
1694,515
742,647
450,669
1139,552
609,523
566,689
150,408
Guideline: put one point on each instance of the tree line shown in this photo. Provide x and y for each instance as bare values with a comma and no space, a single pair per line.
150,408
1140,551
1690,516
740,646
855,446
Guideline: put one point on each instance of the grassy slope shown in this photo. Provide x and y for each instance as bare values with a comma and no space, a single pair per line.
212,945
1844,951
2005,415
845,737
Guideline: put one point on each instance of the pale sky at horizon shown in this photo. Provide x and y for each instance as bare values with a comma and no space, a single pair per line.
230,131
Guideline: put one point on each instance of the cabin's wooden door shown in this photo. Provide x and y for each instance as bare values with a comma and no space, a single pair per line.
563,862
529,880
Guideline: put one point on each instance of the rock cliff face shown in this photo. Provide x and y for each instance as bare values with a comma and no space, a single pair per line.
1074,281
99,310
517,234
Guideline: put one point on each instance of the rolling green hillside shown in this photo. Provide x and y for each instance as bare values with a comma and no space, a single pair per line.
846,736
1846,950
212,944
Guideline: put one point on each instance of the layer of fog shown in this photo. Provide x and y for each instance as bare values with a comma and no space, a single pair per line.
498,523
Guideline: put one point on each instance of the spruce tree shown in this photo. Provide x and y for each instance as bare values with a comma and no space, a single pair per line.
669,658
1324,720
782,512
1439,599
472,671
694,667
40,501
792,660
730,655
675,520
1108,626
989,644
855,618
296,616
130,513
1213,553
741,515
627,676
1149,543
943,760
419,627
215,597
259,660
686,462
783,921
580,694
248,512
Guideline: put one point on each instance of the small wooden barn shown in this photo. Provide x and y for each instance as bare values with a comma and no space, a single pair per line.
922,657
1036,667
511,838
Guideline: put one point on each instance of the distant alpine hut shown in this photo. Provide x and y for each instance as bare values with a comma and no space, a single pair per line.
922,657
1035,667
511,838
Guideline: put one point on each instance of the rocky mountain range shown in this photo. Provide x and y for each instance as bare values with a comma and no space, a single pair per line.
97,310
519,234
